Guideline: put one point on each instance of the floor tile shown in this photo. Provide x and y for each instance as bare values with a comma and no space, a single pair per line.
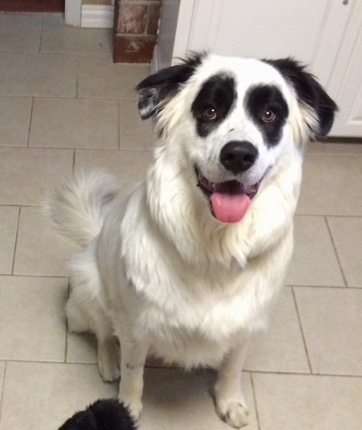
129,167
27,174
8,229
99,77
183,399
14,120
331,320
40,250
20,32
314,259
81,348
298,402
37,333
347,237
32,74
335,148
331,185
2,371
134,133
43,395
74,123
280,348
60,38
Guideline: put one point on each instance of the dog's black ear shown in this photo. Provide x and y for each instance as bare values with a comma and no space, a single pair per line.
156,90
309,92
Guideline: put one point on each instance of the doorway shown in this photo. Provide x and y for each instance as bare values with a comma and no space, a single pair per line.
32,5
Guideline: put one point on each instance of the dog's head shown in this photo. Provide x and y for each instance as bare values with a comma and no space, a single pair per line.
234,119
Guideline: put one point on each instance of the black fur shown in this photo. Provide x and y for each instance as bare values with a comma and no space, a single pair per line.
219,93
309,91
106,414
164,84
261,98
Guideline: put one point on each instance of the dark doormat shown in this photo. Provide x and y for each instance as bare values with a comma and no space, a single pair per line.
32,5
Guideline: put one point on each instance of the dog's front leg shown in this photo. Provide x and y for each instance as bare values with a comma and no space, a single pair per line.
133,358
229,398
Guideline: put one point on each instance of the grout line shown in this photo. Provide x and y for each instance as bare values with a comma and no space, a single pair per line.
17,275
255,401
66,327
73,162
119,124
16,241
30,121
2,390
336,252
301,330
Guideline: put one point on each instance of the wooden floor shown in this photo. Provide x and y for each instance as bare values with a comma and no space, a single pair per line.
32,5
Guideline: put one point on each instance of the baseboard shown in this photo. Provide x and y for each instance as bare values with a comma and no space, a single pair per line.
97,16
155,65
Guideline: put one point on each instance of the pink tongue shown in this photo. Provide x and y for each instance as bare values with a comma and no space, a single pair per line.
230,208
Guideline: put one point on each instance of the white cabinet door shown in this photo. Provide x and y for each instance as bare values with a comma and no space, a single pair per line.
346,80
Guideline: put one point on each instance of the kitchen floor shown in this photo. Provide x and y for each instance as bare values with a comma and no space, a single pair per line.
64,105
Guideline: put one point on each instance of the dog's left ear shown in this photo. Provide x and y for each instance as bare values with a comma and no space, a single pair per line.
156,90
309,92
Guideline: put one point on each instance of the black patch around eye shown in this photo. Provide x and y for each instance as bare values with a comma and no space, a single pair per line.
218,93
262,98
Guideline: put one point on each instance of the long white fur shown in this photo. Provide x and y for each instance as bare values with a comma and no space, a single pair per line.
159,273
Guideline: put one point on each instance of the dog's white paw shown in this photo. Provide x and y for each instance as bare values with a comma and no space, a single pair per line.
233,411
134,406
108,361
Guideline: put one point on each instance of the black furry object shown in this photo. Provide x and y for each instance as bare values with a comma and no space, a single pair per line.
106,414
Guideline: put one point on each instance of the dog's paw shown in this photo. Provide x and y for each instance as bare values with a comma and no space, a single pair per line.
233,411
108,362
134,407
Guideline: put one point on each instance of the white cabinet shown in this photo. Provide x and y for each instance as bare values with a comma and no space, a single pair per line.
324,34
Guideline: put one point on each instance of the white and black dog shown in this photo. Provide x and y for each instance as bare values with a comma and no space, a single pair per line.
186,267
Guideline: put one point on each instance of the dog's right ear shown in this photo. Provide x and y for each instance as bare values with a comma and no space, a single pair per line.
156,90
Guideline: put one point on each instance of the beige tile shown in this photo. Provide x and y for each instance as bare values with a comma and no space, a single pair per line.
42,396
129,167
134,133
331,321
74,123
331,185
299,402
20,32
314,260
347,237
33,74
14,120
27,174
335,148
8,228
39,250
58,37
183,399
2,371
100,78
280,348
81,348
32,318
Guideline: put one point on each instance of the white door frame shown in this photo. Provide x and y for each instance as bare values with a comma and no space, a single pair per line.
73,12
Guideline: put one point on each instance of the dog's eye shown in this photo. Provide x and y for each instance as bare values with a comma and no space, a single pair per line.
269,116
209,114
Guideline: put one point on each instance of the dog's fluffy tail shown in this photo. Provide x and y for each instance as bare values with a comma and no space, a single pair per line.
78,208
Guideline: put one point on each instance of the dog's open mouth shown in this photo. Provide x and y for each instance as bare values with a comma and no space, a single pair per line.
229,200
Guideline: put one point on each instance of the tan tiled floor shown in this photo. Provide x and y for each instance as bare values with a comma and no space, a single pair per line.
64,105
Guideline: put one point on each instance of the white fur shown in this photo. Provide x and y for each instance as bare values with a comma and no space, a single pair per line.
165,277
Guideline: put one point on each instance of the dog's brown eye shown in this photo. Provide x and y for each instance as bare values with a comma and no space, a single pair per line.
269,116
209,114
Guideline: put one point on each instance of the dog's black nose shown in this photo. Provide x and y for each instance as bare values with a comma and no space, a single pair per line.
238,156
